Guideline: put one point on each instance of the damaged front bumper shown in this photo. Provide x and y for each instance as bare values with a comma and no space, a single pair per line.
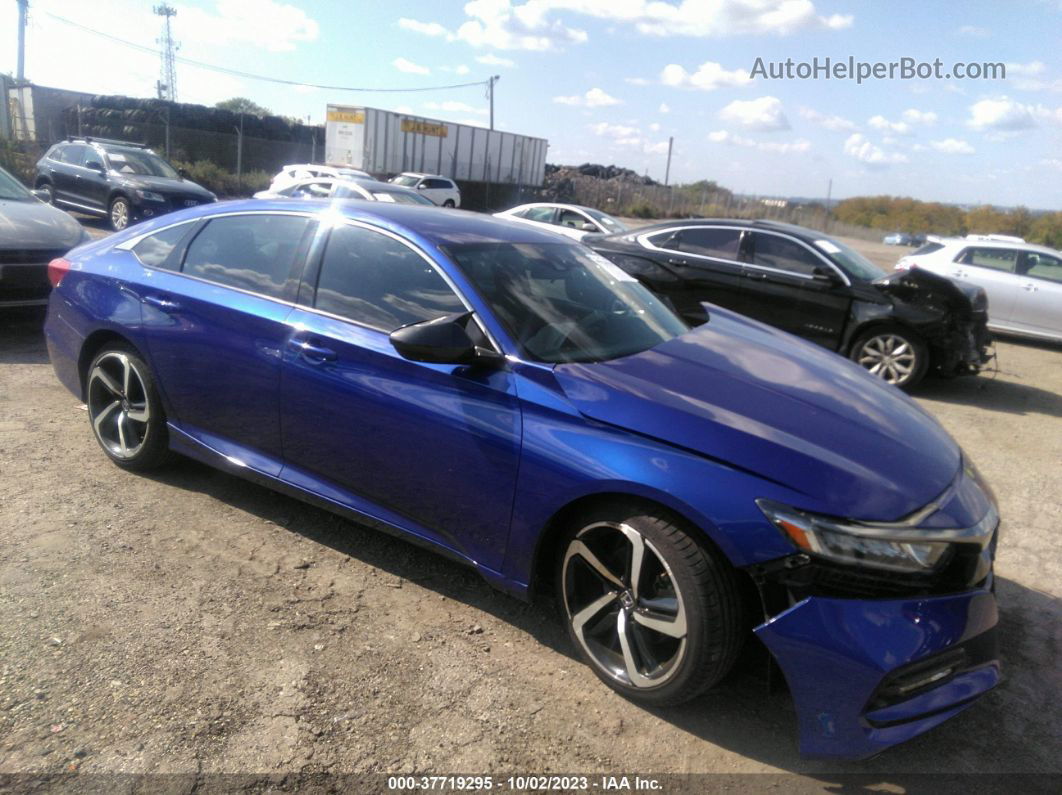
868,674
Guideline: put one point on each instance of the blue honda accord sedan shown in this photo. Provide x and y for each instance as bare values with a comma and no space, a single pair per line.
518,403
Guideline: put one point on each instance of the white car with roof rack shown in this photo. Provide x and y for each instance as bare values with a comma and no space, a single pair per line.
297,172
1023,281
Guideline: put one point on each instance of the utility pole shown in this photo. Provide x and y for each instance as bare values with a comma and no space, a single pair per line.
23,8
493,79
826,220
667,173
167,85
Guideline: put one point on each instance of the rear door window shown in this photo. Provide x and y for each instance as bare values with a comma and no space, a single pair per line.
375,280
928,248
256,253
784,254
997,259
541,214
74,154
705,242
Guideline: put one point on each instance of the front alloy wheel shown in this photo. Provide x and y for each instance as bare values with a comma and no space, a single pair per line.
120,214
655,614
125,410
895,357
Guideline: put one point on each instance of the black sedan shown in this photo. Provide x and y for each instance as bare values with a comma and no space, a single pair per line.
898,325
31,235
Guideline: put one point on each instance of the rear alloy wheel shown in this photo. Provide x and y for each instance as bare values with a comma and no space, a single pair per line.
120,213
895,356
655,615
125,410
449,203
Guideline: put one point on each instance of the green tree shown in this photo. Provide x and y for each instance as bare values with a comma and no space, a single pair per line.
244,105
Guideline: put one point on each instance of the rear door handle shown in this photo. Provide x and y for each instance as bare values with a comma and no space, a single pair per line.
1029,287
165,304
960,273
315,354
754,275
676,261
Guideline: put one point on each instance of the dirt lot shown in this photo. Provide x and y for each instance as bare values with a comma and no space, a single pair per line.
191,622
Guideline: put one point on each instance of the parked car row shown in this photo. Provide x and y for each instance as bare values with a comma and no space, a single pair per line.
675,486
903,239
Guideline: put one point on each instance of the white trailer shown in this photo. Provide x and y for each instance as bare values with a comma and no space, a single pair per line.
382,143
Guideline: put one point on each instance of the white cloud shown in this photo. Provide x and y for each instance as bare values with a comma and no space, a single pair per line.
952,146
427,28
455,107
1004,114
594,98
405,65
883,124
277,27
834,123
764,113
629,137
915,116
654,127
861,149
776,147
462,70
974,31
1030,69
493,60
708,77
533,24
664,108
608,130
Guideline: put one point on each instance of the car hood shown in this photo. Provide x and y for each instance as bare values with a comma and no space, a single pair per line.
760,400
167,185
36,225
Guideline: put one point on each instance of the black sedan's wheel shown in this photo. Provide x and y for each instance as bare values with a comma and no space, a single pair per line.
896,356
125,410
655,615
120,213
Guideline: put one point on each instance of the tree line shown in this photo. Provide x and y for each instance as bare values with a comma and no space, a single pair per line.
897,214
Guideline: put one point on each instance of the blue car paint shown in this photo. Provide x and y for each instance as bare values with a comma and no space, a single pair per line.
764,416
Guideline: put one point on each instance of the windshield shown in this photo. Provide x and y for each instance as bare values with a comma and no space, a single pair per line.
854,263
607,221
140,162
11,189
405,182
401,197
564,303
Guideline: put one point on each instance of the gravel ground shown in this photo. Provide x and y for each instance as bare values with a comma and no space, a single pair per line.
190,622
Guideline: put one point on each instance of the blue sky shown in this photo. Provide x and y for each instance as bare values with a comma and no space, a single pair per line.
610,80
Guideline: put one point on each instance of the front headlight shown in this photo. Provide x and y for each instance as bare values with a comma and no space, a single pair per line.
894,548
150,195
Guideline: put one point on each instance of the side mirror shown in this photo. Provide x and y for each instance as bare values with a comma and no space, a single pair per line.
444,340
182,173
95,165
421,186
41,194
588,227
824,275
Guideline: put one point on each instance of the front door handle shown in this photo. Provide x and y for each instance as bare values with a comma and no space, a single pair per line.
315,354
1029,287
960,273
165,304
754,275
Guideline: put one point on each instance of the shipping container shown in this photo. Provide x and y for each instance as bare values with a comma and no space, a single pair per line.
384,143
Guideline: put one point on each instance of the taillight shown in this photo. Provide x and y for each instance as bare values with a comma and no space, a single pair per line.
57,269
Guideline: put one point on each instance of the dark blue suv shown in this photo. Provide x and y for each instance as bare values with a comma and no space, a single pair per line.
122,182
517,402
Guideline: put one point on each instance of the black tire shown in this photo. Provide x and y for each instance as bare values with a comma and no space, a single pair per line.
681,581
894,354
119,385
47,186
120,213
449,203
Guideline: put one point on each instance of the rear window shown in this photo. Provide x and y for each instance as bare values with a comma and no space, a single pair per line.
928,248
249,252
154,250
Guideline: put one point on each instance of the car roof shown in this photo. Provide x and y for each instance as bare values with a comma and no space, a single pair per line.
964,242
801,232
422,175
563,205
434,225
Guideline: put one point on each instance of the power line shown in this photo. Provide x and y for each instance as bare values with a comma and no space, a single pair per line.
249,75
